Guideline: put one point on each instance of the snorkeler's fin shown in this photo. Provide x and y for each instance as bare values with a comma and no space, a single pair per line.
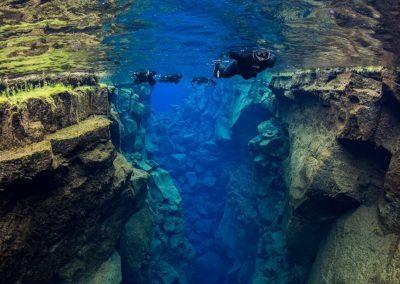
217,69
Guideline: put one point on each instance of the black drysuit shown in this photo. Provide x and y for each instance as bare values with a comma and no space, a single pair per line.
152,78
245,64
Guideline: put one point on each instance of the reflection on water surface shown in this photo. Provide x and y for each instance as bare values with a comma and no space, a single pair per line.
175,35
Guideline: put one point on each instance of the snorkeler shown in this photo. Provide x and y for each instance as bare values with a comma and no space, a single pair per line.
245,64
143,77
203,81
152,78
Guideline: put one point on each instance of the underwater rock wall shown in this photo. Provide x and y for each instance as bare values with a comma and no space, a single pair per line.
319,188
233,192
251,229
342,173
66,193
183,141
170,255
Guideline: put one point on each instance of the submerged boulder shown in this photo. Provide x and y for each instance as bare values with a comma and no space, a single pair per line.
135,247
357,250
164,189
108,273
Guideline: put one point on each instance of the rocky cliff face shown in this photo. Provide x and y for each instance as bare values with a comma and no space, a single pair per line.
342,172
66,193
251,230
233,191
319,197
183,141
169,255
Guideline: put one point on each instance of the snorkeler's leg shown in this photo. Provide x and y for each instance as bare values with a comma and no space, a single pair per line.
218,68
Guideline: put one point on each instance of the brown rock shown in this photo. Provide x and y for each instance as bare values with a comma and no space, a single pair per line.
65,192
356,250
25,163
343,133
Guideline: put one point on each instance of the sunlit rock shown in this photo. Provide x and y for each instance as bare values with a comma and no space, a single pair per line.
108,273
357,250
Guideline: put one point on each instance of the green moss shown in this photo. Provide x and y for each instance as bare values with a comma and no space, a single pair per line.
55,36
85,88
367,69
28,27
18,96
51,61
23,152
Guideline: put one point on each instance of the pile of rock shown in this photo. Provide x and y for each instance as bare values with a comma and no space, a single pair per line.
251,231
233,207
270,146
170,254
131,109
183,143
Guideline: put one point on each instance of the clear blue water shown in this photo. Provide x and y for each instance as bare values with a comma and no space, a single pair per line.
165,96
232,205
185,37
179,35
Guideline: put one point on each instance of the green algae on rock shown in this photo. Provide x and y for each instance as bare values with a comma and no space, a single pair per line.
34,108
47,91
54,36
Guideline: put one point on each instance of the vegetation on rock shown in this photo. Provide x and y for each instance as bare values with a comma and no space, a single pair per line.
55,36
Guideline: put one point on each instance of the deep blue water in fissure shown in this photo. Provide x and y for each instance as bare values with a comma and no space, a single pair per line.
164,96
183,129
185,37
